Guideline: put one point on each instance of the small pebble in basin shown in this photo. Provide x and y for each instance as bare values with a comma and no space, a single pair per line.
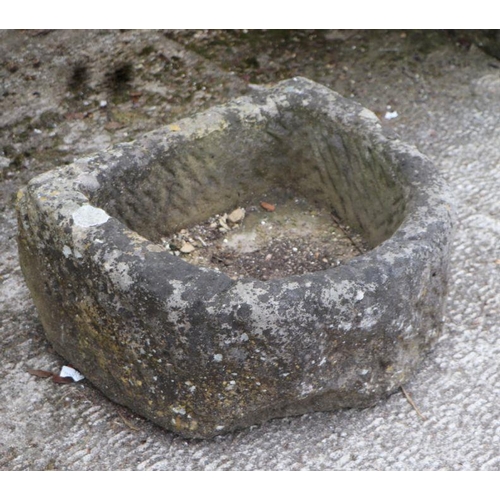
197,352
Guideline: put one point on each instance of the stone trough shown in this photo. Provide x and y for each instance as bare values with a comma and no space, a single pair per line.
199,353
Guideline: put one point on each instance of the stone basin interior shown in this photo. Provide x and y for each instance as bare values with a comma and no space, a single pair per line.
292,236
186,178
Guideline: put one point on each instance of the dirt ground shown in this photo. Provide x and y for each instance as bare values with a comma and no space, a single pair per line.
66,94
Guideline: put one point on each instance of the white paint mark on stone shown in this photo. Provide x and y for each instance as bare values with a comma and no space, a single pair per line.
88,216
119,272
218,358
180,410
370,318
306,389
175,304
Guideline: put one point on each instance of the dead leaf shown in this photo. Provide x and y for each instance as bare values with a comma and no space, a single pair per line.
135,96
128,423
40,373
113,126
61,380
75,116
268,207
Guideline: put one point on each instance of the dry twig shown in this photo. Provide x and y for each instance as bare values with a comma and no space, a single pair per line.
128,423
410,400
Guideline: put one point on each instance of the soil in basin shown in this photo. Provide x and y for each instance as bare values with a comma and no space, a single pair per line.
275,235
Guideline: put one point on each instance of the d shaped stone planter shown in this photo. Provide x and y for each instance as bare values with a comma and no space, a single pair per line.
195,351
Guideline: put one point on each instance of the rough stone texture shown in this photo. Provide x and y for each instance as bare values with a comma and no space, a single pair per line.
197,352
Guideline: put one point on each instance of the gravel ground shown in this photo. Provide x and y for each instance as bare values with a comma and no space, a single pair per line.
64,94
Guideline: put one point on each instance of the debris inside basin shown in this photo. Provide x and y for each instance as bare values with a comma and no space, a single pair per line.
275,235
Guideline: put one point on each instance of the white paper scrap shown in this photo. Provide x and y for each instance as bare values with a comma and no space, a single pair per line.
67,371
390,115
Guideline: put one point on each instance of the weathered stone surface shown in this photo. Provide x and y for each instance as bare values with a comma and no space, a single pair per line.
197,352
